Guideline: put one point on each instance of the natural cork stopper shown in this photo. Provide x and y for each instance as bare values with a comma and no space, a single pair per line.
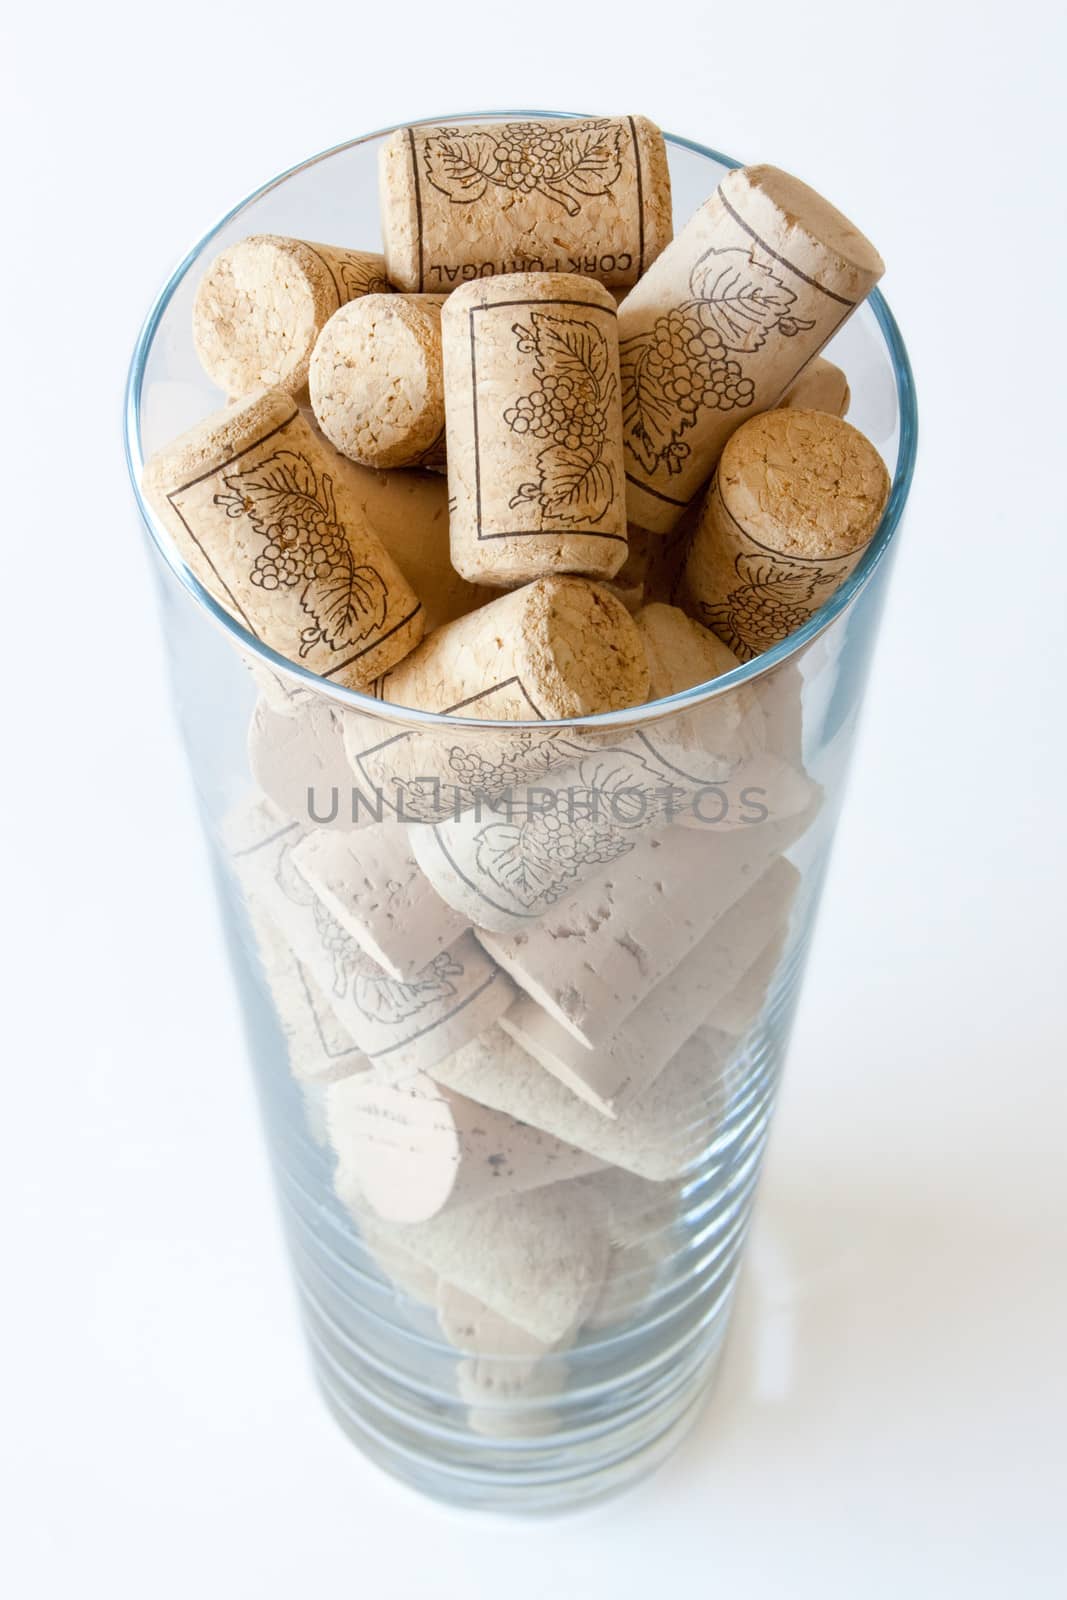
262,303
561,647
474,200
681,653
762,275
820,387
259,512
534,429
376,383
796,500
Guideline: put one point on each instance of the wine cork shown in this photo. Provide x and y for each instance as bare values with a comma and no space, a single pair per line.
624,1066
756,283
372,884
261,305
820,387
534,429
320,1049
590,196
504,868
537,1258
415,1149
255,505
402,1027
376,381
656,1136
408,510
591,959
797,497
560,647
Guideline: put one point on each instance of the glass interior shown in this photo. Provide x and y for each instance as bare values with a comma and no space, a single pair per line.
334,197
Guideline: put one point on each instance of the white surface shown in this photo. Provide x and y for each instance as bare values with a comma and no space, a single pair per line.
891,1416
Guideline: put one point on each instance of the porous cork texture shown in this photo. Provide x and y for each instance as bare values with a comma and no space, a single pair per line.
376,383
560,647
258,510
796,499
262,303
534,429
758,280
475,200
820,387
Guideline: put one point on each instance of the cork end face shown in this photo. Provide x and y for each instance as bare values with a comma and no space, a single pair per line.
804,483
214,440
256,316
375,379
804,210
581,648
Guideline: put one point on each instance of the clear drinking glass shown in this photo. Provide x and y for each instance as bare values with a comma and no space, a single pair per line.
498,1339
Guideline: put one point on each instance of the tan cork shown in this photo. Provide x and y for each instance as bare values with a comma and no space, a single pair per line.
260,513
534,429
820,387
560,647
590,196
796,499
376,383
263,302
752,288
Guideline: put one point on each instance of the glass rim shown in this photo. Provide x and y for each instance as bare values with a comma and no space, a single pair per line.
355,700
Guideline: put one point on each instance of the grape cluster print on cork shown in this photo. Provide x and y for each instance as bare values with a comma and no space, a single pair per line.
501,506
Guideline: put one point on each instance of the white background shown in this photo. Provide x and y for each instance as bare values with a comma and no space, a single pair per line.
891,1416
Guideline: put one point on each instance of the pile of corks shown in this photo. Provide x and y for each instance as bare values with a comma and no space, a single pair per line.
518,1034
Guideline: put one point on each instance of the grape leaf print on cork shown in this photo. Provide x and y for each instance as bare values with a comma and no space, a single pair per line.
477,200
569,411
257,508
534,429
690,360
293,511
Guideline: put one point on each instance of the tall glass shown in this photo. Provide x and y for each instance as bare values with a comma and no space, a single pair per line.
517,1057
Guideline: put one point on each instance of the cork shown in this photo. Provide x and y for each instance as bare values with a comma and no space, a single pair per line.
762,275
596,955
376,382
537,1259
624,1066
502,869
372,884
262,303
254,503
589,196
797,497
415,1149
559,647
534,429
402,1027
820,387
656,1136
320,1049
